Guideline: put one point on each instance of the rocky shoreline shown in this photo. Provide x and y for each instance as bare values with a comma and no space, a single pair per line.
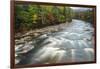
24,42
21,38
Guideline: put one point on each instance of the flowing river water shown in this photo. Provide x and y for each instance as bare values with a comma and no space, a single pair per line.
72,44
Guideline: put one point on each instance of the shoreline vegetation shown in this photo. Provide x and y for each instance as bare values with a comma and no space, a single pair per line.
33,20
30,17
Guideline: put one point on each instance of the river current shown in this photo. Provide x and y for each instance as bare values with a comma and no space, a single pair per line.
72,44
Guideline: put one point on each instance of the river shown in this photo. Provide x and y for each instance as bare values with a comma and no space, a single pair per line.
72,44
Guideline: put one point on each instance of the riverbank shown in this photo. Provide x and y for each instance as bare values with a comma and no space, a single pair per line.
28,36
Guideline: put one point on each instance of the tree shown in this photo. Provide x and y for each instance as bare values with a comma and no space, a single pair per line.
29,17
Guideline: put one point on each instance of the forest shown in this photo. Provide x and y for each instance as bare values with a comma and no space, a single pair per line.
28,17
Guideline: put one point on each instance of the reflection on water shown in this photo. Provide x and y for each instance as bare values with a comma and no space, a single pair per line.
73,44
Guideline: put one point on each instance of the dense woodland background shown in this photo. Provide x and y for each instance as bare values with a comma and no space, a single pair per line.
29,17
